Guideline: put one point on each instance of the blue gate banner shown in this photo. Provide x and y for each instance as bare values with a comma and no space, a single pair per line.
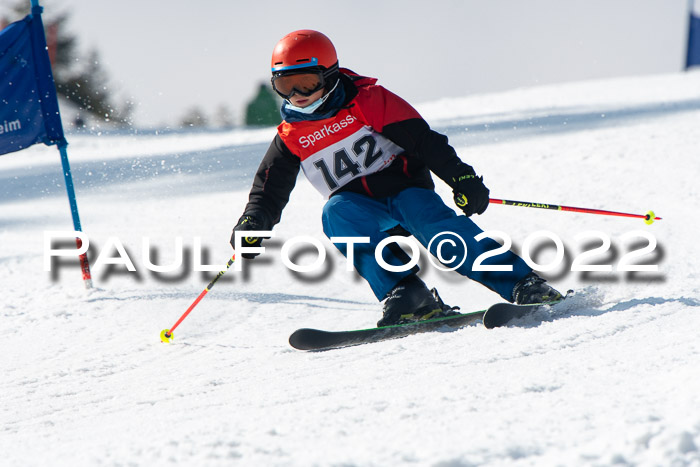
28,104
693,58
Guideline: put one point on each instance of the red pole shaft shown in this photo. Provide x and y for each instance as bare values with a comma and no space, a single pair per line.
201,296
194,304
528,204
603,212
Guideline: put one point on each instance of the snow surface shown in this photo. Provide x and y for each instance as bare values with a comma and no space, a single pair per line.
611,377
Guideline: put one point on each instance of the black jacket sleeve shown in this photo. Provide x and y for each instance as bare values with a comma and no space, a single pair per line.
431,147
272,185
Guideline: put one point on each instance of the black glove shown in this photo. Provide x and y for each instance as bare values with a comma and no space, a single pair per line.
470,194
248,223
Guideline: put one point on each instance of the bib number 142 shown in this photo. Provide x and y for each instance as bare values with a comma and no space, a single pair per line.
343,165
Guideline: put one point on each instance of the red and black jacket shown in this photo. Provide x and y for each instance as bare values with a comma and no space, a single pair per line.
375,144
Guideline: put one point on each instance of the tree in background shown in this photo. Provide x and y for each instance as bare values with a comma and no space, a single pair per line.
80,80
263,110
194,117
224,116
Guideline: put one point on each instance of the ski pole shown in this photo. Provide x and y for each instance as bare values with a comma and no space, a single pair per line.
166,335
649,217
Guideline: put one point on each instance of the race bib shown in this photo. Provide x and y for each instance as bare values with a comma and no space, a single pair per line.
335,151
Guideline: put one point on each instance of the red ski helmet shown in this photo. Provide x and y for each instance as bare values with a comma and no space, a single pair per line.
304,49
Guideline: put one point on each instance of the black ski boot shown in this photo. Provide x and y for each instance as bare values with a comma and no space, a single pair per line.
532,289
411,301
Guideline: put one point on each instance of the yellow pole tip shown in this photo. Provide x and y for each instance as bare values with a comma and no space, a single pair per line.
166,336
649,218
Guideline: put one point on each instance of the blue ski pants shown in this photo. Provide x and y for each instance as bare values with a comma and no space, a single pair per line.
422,213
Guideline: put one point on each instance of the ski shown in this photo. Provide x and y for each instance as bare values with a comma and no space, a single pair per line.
501,314
496,315
316,339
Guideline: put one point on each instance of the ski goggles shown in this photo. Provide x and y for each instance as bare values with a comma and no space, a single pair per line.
303,84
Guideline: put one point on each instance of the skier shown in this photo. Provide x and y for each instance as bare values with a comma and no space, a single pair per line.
371,154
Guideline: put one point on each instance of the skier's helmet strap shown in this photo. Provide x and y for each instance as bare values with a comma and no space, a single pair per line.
302,49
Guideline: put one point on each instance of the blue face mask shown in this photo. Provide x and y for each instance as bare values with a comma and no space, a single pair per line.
309,109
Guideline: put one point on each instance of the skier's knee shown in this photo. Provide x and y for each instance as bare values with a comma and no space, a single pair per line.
332,209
